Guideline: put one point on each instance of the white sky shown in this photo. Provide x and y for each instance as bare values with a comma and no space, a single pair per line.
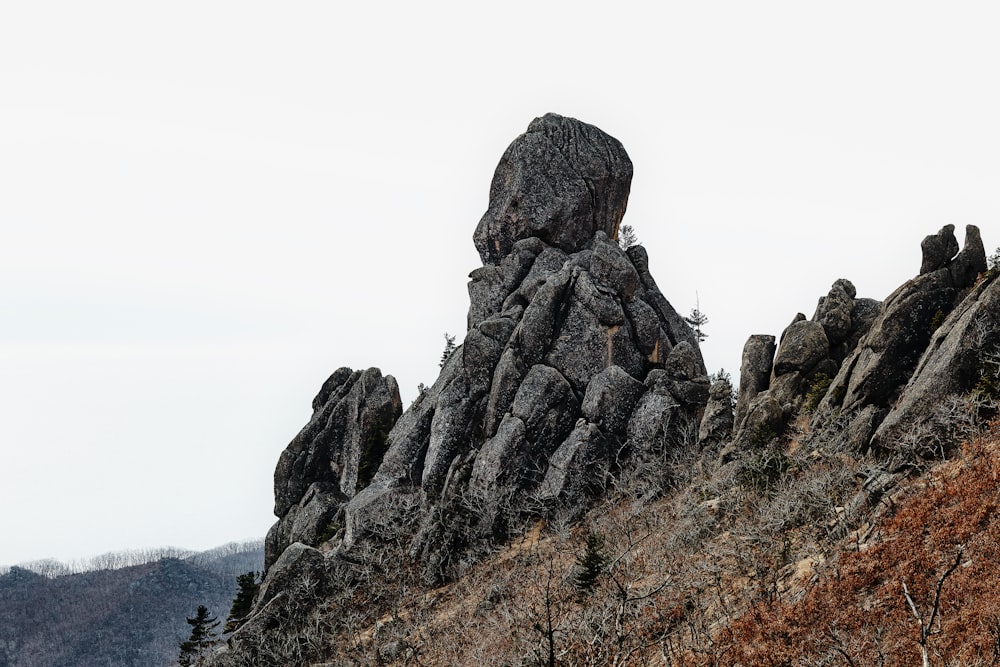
207,207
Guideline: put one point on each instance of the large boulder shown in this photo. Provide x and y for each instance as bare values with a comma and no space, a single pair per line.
803,345
834,311
755,372
561,181
938,249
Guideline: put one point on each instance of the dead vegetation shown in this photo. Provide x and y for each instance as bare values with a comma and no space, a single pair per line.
798,557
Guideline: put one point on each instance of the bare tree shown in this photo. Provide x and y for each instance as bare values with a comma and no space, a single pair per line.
927,626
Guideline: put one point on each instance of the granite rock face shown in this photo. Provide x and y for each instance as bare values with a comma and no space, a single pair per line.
864,355
573,361
775,380
887,356
333,457
561,182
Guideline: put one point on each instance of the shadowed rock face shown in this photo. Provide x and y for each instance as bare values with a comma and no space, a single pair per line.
567,335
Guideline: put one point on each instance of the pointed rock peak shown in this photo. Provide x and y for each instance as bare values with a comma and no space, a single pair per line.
561,181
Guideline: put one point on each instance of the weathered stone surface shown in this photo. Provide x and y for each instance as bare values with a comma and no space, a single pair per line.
653,421
336,453
764,420
646,325
672,323
481,352
584,347
538,326
564,328
450,433
313,518
610,398
834,311
938,249
389,513
953,362
683,362
576,469
506,379
497,455
788,391
296,562
717,422
971,261
612,268
887,355
755,372
547,406
863,315
804,344
858,435
403,462
605,307
344,441
561,181
799,317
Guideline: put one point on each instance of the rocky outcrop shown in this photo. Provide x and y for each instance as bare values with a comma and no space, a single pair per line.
560,182
775,381
333,457
573,362
755,372
888,354
717,422
963,351
938,249
576,373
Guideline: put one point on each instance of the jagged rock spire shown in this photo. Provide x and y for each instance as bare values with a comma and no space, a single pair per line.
573,358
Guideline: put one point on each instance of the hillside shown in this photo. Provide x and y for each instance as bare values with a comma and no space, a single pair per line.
125,616
576,489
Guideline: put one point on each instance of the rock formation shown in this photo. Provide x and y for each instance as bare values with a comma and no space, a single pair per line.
573,360
576,370
867,352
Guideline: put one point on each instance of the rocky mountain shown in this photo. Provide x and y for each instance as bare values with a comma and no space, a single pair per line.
120,616
575,489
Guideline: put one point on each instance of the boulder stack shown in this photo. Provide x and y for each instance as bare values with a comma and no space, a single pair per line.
572,361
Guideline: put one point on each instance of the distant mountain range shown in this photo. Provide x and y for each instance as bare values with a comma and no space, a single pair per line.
118,610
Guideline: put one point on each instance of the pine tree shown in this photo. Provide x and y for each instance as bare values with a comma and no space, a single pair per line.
249,584
696,320
590,564
627,237
449,347
202,634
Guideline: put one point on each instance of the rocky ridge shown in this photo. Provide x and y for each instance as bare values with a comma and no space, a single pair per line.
876,368
575,368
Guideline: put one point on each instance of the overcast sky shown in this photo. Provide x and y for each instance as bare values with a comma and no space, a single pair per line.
207,207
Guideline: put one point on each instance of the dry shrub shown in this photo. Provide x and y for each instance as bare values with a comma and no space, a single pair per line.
856,613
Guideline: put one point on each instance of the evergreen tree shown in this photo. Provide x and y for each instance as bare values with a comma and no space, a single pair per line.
627,237
249,584
449,347
696,320
590,564
202,633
